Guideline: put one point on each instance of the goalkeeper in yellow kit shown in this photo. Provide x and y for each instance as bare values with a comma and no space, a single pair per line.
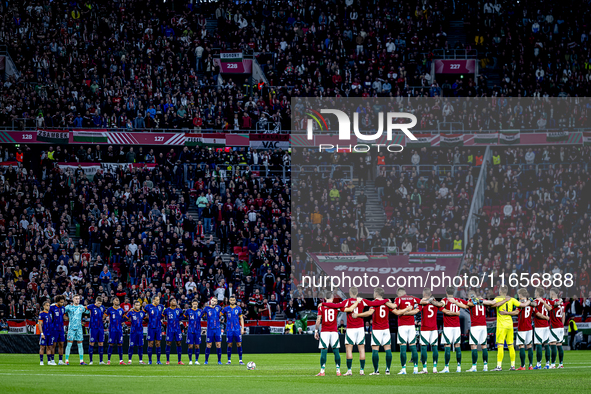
505,306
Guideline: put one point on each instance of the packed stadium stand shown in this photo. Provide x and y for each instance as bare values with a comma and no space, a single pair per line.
147,65
535,218
217,227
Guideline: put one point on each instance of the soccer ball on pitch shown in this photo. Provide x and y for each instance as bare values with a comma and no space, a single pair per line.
251,365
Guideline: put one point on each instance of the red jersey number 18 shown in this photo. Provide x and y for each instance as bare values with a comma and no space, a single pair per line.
329,315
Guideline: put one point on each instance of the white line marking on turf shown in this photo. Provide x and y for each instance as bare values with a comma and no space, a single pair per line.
179,377
137,376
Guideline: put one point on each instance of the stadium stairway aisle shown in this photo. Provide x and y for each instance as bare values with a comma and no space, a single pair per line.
211,26
192,210
457,33
375,216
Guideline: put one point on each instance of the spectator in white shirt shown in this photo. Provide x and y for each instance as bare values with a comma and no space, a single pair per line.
132,247
415,159
390,46
190,285
508,210
530,156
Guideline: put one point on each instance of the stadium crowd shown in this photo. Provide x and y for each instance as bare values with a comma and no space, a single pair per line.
541,49
426,203
536,216
217,226
88,64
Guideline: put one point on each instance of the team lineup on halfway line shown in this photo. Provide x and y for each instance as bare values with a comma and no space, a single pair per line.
546,331
51,328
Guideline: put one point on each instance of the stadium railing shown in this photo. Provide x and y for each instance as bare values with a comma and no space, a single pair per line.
267,170
327,171
464,131
454,53
426,169
478,197
30,124
384,250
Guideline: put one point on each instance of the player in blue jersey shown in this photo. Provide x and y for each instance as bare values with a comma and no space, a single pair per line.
173,317
115,316
194,315
214,330
75,312
45,337
58,338
136,338
97,328
154,311
234,328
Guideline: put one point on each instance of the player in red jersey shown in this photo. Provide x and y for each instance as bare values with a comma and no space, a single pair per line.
450,307
557,328
524,329
429,335
407,333
478,329
329,336
380,334
355,334
542,328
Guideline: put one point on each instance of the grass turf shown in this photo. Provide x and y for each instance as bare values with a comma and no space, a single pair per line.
281,372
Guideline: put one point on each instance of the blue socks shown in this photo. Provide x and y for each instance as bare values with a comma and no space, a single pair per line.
90,351
150,350
179,352
190,353
140,352
229,352
207,350
219,354
168,353
240,352
158,352
100,350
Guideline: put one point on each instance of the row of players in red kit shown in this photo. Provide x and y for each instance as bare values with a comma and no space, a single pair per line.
406,307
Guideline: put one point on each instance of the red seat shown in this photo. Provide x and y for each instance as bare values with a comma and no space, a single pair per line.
243,256
237,249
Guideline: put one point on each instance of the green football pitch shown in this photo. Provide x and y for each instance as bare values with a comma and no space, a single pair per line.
282,372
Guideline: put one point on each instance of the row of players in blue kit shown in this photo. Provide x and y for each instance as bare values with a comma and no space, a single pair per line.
51,326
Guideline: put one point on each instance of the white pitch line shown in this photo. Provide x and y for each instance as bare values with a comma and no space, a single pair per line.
183,377
139,376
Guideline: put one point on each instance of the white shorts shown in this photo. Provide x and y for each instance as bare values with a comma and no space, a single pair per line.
451,335
381,338
329,339
407,335
524,338
478,335
541,335
429,337
355,336
557,335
